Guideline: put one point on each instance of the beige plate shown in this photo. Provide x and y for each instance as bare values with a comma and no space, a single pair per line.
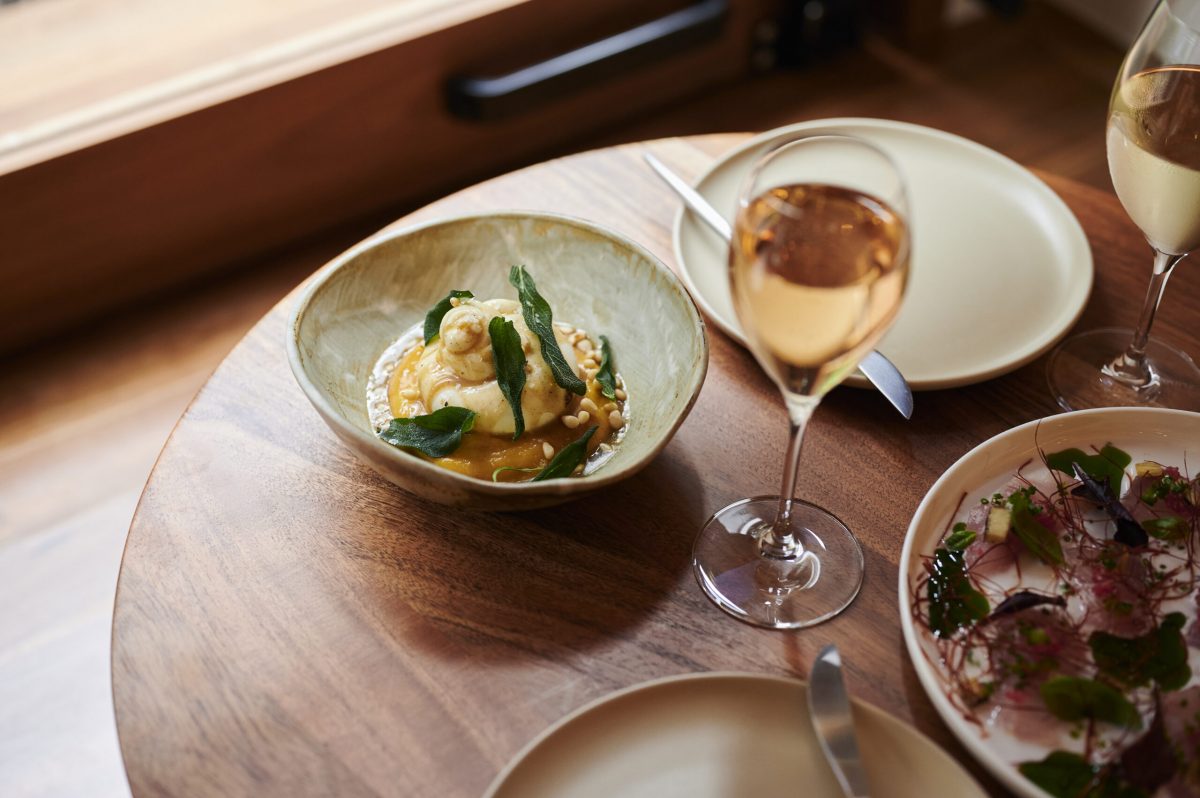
719,735
999,261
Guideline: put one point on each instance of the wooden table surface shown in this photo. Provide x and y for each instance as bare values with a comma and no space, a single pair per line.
287,623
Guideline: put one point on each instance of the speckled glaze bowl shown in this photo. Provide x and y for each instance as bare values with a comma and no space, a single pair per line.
593,278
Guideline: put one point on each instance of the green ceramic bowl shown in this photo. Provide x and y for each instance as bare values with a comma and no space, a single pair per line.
594,278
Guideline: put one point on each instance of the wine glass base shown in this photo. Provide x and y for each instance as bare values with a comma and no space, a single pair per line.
777,593
1079,379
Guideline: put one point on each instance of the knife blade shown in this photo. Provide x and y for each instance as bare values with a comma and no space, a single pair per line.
833,722
880,371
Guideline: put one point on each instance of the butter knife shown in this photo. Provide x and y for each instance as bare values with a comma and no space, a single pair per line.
833,723
880,371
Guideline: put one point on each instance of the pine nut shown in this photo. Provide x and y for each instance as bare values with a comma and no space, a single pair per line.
588,405
571,421
616,420
621,394
610,407
455,301
547,449
589,363
583,416
584,345
575,337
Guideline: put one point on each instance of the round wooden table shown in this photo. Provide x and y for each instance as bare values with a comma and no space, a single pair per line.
287,623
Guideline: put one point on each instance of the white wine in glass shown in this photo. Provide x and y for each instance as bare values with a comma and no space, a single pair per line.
1153,142
818,266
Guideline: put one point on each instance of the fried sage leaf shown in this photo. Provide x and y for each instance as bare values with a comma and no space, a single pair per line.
605,376
435,435
433,319
540,319
509,358
1076,698
568,458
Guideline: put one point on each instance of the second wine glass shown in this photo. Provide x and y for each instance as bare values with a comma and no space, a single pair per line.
818,266
1153,142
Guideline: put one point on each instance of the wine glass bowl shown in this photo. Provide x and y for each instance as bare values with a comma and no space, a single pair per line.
818,266
1153,145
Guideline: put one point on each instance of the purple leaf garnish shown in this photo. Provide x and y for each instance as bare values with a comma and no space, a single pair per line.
1149,762
1025,599
1129,531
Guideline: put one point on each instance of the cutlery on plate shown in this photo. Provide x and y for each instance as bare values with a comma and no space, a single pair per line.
880,371
833,722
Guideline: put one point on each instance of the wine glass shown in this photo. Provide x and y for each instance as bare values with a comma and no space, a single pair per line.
1153,141
818,266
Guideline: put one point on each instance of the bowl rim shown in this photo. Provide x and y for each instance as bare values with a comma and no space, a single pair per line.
558,486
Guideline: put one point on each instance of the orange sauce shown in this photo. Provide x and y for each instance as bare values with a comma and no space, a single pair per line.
481,453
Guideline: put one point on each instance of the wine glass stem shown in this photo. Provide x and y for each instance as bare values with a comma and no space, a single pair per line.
1130,366
779,541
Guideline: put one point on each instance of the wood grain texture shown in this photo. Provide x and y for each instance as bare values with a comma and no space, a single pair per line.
288,623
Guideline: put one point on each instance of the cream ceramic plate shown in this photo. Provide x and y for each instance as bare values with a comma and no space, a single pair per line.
718,735
1145,433
1001,268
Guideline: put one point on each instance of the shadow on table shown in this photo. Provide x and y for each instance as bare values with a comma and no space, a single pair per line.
540,584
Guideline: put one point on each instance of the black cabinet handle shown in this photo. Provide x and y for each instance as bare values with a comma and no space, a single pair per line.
486,98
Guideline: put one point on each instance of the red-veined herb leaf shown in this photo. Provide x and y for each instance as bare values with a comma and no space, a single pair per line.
1075,698
605,376
1161,655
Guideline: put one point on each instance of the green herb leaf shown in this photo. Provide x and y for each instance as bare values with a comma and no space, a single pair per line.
540,319
496,474
433,319
568,458
1062,774
1076,698
435,435
1169,527
953,600
1109,464
605,376
509,357
1040,541
960,537
1161,655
